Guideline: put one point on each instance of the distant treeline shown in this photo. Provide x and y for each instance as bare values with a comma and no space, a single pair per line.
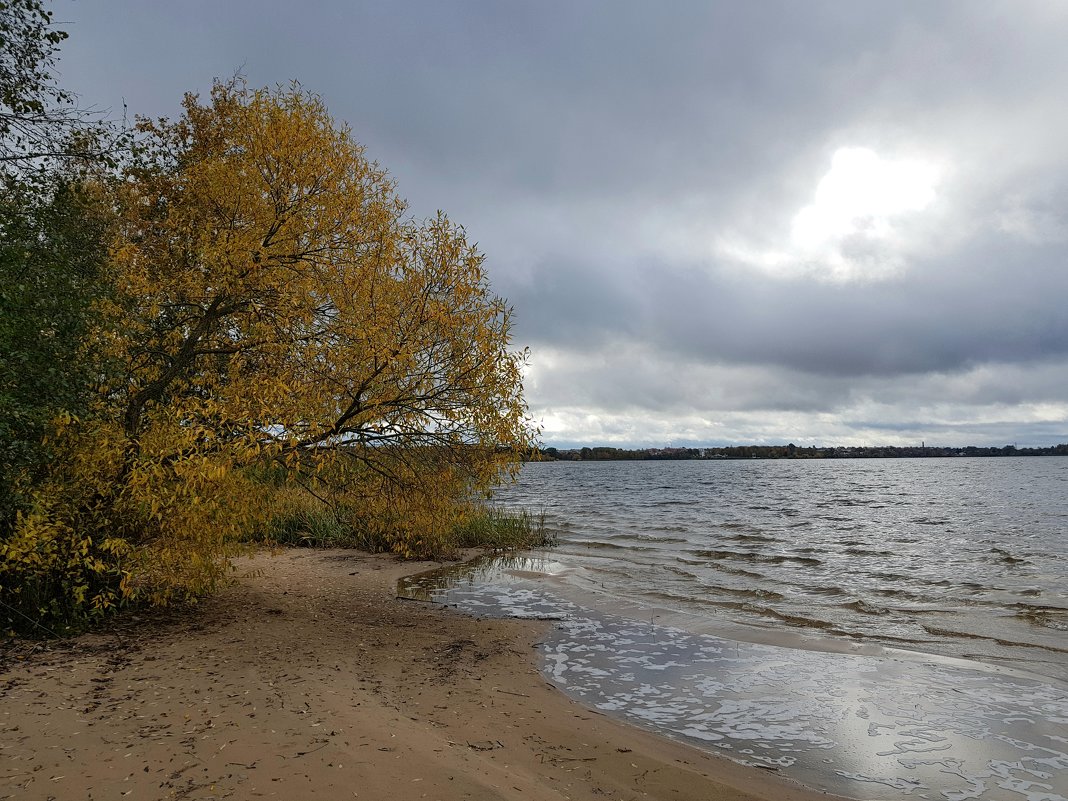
791,451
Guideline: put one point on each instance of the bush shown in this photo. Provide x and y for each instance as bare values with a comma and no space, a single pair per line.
54,579
297,517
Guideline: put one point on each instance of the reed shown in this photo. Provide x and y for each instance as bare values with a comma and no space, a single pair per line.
299,519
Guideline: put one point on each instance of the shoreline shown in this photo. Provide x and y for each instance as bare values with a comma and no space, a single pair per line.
308,677
725,629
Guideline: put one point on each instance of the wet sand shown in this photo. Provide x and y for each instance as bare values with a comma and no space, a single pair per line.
308,679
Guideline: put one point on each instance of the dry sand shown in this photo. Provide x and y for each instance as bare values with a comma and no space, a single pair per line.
308,679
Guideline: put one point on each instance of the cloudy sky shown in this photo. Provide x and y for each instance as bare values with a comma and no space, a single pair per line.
818,222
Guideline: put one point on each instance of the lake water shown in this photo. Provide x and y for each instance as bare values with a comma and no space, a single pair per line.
877,628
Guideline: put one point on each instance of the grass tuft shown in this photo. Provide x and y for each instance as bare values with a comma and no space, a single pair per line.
299,519
504,529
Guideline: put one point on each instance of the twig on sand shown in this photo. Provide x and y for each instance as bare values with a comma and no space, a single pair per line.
486,745
309,751
556,758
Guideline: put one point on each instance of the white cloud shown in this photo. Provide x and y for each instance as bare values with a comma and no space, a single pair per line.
635,395
857,226
862,194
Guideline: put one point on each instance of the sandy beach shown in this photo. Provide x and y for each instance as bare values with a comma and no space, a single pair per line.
306,679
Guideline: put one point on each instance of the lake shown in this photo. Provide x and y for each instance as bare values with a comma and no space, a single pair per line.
962,557
876,628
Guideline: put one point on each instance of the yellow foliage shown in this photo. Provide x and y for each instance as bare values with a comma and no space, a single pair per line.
48,569
274,306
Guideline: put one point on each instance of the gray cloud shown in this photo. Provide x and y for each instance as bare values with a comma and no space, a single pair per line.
634,171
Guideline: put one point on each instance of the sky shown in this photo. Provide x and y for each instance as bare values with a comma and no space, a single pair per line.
826,223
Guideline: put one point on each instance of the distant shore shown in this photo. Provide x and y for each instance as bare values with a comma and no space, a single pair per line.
604,453
308,678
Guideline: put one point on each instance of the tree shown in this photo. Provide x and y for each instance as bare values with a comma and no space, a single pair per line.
272,318
51,253
26,62
278,303
38,120
272,305
51,247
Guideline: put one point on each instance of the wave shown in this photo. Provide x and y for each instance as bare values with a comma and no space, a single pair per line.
749,538
709,553
971,635
854,551
802,621
658,538
678,571
866,608
831,590
884,576
610,546
1050,617
721,567
752,608
734,571
833,502
779,559
905,595
1007,558
766,595
749,556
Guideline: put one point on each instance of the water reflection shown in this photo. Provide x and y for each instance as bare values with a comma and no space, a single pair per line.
502,567
874,727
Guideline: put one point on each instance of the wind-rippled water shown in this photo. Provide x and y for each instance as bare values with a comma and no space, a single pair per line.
959,557
877,629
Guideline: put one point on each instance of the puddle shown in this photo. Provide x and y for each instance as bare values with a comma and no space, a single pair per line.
437,585
873,727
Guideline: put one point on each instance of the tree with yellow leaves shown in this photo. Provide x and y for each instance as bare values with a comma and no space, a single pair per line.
275,311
